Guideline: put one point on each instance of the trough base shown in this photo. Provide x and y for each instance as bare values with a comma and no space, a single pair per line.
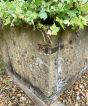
39,102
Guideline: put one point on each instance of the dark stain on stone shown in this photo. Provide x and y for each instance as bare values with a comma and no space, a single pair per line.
49,50
19,63
70,42
23,55
14,43
25,52
33,57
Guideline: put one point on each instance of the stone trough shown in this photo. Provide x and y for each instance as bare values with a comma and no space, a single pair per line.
43,69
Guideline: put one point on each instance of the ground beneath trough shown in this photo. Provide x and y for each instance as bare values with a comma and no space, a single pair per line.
12,95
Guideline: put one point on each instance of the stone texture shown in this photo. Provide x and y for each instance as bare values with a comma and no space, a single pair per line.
73,58
27,60
47,73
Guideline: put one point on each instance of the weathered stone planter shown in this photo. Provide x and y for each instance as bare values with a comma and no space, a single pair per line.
47,70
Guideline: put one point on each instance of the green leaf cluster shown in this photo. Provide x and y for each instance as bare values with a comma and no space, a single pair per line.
47,15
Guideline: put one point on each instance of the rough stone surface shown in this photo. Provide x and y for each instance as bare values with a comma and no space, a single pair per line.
27,61
47,73
73,58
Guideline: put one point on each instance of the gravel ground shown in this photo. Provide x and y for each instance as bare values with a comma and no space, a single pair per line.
77,95
11,95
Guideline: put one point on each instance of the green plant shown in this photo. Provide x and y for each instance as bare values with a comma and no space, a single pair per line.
47,15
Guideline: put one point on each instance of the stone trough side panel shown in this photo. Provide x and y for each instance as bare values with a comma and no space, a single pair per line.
30,62
73,58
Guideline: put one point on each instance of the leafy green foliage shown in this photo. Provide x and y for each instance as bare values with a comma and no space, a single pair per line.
64,13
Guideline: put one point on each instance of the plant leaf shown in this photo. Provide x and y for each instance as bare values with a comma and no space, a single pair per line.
43,14
54,29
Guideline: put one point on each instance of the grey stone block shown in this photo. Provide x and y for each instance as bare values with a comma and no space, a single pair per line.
48,69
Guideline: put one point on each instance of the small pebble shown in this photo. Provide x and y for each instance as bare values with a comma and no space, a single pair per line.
81,86
19,95
13,97
22,99
77,98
